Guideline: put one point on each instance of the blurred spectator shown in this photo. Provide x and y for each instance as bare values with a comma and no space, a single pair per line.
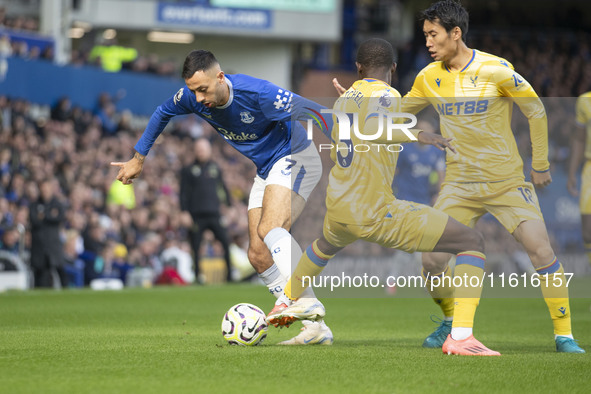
202,191
6,169
125,120
6,214
106,115
149,257
114,259
47,215
94,238
112,56
174,256
170,275
74,265
5,53
120,194
120,266
9,240
62,110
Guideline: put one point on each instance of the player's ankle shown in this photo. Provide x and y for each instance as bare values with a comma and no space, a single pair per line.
460,333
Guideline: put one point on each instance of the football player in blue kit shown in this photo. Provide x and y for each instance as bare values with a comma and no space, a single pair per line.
260,120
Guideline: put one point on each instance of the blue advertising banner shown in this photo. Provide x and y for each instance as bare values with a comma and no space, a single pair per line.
44,83
204,15
286,5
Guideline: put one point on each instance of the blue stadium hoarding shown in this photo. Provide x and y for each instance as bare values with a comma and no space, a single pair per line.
285,5
201,14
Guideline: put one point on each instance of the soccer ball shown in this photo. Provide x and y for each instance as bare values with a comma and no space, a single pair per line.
244,324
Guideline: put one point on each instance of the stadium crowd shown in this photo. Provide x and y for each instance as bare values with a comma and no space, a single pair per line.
73,147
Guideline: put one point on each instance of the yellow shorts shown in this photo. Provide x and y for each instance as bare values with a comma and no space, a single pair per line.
585,201
512,201
404,225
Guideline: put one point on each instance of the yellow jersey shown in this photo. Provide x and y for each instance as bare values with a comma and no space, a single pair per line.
360,182
583,111
475,106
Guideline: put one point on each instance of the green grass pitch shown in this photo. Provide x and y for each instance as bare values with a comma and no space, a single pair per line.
168,340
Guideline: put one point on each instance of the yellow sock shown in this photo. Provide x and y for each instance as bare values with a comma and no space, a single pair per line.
470,267
555,292
441,289
310,265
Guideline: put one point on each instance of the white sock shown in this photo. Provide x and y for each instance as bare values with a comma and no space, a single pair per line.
274,280
448,318
459,333
279,242
283,299
567,336
286,254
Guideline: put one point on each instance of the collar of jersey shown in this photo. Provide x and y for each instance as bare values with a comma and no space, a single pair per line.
467,64
231,98
374,80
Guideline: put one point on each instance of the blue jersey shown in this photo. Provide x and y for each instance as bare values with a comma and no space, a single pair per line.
416,163
259,120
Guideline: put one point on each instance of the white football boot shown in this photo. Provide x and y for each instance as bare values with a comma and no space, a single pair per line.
313,333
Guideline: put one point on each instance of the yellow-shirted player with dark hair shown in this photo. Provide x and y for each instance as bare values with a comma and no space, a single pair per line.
474,92
360,203
581,149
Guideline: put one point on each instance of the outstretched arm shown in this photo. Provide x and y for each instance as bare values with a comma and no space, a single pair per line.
178,104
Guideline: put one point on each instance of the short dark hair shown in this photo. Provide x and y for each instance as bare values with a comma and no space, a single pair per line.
199,60
449,14
375,53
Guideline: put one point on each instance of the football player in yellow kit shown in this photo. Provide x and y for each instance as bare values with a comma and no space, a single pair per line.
474,92
360,203
581,149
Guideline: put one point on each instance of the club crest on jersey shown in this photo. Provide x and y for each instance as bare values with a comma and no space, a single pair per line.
178,95
473,79
438,82
385,100
246,117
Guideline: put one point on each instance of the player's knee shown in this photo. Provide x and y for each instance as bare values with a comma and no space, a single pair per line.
433,263
542,255
264,228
